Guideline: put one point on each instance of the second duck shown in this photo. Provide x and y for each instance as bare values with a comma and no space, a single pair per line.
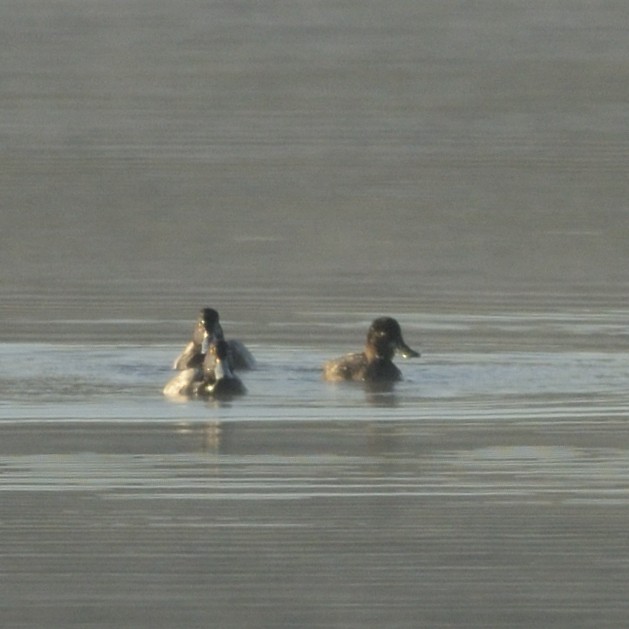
374,364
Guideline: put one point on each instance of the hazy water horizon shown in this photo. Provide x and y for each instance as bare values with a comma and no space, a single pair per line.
418,151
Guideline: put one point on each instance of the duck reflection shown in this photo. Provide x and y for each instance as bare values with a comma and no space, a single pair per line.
294,440
381,394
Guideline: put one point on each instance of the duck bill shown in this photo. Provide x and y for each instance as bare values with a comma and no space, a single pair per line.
406,351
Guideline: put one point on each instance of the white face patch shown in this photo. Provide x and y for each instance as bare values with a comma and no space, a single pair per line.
206,342
222,370
219,370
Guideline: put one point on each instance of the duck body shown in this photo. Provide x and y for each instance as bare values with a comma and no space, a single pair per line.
359,367
223,388
374,364
193,355
185,384
219,381
239,356
214,379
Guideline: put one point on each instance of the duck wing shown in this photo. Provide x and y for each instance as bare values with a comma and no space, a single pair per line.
348,367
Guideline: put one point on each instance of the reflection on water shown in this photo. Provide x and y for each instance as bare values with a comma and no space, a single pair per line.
228,522
253,461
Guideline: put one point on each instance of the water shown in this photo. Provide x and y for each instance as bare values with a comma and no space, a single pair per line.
488,489
305,167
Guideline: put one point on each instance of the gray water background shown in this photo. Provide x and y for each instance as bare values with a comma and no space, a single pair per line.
305,167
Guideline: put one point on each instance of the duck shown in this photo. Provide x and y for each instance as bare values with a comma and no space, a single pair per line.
374,364
219,381
214,378
207,329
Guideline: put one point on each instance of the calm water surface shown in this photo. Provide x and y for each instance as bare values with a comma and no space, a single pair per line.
487,489
305,167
